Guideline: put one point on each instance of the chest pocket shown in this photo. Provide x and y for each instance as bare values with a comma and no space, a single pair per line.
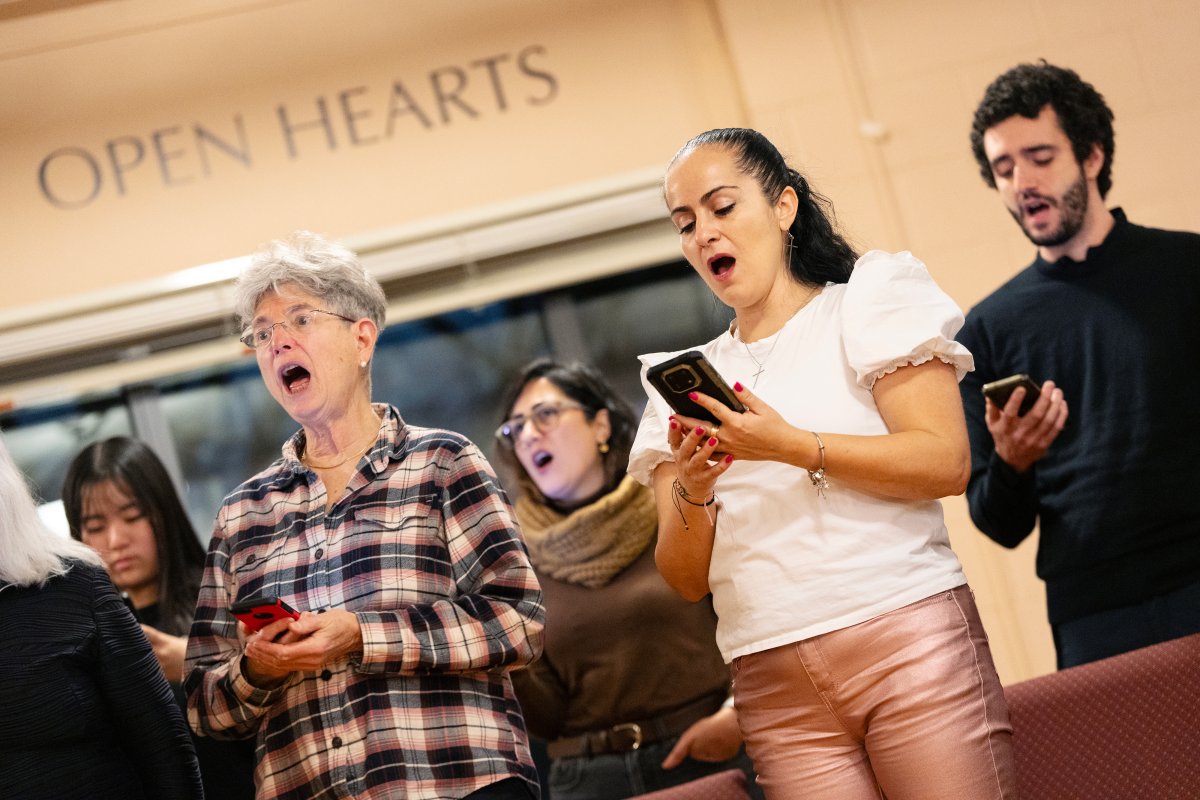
394,554
265,555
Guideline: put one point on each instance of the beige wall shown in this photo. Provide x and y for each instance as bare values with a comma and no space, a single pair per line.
872,98
533,97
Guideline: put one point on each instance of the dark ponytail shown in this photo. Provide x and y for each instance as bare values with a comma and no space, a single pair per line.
819,254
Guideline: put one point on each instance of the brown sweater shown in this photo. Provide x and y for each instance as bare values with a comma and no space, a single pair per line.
628,651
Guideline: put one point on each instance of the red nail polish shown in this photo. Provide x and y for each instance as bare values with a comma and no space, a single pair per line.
692,395
729,459
712,441
674,424
699,431
737,387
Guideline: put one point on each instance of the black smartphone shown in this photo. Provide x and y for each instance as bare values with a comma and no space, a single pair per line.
999,392
256,612
691,372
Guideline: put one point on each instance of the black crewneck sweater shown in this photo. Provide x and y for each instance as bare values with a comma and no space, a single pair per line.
1118,494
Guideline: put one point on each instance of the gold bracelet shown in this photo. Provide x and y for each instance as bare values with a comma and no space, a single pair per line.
817,476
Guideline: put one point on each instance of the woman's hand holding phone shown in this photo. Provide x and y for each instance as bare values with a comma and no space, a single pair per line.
306,644
698,465
759,433
169,650
683,377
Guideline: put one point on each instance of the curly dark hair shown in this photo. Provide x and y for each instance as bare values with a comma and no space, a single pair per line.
820,254
585,385
1028,88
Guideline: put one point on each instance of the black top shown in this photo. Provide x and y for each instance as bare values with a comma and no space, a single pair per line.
85,711
1116,494
226,766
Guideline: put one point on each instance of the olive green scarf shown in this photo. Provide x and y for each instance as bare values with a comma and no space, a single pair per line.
590,545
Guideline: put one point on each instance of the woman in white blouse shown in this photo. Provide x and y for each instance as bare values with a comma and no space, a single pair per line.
860,664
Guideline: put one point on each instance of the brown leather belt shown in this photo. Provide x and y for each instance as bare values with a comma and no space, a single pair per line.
629,736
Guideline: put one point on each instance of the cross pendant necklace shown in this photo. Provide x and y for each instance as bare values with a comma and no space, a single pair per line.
762,365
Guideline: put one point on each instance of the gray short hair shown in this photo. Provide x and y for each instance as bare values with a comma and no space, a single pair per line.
30,554
316,266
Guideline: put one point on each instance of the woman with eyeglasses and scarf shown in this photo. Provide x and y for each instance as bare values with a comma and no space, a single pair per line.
630,692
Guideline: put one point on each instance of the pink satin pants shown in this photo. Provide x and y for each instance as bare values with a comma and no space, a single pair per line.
905,706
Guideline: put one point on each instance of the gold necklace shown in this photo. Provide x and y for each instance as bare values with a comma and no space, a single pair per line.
311,465
778,335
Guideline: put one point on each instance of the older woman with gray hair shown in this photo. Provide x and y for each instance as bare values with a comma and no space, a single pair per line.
394,543
87,711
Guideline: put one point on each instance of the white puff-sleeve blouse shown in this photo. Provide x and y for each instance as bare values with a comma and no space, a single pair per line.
894,314
788,564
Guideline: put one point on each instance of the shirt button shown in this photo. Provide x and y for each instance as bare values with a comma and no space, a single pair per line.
250,559
337,741
326,675
317,555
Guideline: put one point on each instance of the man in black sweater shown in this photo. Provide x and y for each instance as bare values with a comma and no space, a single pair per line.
1108,316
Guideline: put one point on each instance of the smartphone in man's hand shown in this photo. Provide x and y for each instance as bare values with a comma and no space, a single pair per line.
999,392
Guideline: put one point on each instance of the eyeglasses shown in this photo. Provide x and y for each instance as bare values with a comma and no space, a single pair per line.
544,417
299,322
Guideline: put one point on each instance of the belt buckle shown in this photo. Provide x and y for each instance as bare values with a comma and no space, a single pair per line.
625,729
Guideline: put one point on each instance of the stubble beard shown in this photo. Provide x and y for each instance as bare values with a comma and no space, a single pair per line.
1072,208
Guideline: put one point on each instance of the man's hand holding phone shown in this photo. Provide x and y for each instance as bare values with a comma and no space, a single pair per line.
1022,439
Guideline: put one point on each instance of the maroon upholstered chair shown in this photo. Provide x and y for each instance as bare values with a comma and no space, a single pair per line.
1126,727
727,785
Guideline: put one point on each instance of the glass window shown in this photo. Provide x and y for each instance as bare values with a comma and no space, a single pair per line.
43,440
226,427
450,371
659,309
447,371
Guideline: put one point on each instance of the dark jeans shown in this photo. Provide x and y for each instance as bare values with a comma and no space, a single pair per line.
1120,630
507,789
619,775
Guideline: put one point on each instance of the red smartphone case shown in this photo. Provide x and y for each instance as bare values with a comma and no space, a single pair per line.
258,612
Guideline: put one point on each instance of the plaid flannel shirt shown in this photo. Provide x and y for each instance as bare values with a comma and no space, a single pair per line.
423,548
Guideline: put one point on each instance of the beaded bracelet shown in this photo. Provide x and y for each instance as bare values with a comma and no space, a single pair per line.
680,493
817,476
